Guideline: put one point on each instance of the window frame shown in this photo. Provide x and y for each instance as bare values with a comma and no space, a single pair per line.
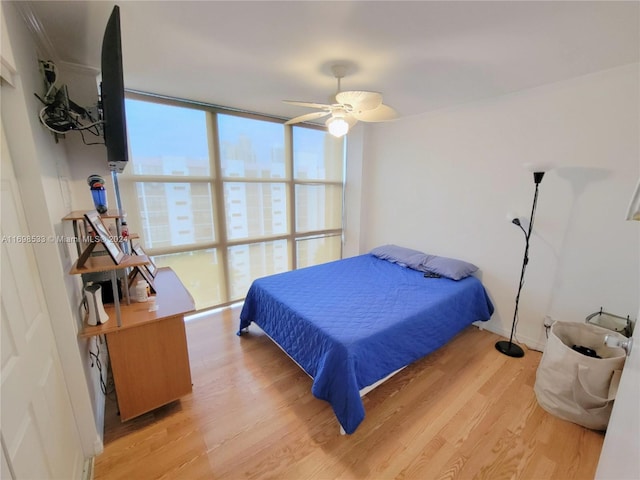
221,241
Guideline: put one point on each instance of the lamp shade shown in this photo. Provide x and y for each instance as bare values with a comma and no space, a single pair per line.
534,167
337,126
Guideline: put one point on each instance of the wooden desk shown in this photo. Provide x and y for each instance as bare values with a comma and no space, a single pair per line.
148,353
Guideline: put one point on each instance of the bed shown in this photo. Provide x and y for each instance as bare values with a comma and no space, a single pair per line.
352,322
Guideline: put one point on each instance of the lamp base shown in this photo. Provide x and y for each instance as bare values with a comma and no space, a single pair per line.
510,349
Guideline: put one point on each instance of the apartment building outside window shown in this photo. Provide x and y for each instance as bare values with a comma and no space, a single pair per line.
224,198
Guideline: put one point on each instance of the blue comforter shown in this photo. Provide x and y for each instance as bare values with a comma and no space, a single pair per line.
351,322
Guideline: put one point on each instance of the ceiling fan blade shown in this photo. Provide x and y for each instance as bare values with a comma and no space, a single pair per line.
360,100
307,117
308,104
381,114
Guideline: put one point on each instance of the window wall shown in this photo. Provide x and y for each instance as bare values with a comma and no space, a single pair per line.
224,198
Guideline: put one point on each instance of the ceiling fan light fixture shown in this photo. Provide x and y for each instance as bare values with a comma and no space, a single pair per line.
337,126
346,108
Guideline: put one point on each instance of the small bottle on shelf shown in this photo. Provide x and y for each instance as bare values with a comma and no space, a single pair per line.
124,231
141,291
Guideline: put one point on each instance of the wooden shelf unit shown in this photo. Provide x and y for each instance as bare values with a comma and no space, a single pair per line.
77,218
147,349
104,263
148,352
172,299
89,262
78,215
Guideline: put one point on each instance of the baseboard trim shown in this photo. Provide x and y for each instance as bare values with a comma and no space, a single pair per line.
87,471
531,343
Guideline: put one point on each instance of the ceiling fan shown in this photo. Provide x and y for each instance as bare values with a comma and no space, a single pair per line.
347,108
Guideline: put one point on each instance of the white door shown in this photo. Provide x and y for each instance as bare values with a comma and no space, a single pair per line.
619,459
38,432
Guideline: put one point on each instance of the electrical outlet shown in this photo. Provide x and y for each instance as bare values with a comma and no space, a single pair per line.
48,71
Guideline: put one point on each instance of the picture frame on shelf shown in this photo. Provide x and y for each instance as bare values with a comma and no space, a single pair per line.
147,277
144,273
103,236
151,266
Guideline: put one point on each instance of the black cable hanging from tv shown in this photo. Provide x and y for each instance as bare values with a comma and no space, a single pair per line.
61,115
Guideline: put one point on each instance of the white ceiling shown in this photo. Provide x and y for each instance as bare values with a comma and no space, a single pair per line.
422,55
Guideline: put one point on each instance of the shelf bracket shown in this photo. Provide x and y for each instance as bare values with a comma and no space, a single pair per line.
116,301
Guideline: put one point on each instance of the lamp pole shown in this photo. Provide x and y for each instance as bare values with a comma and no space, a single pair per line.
509,348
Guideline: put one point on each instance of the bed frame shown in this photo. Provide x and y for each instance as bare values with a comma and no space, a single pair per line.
359,321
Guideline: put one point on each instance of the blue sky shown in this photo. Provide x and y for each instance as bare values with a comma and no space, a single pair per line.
165,130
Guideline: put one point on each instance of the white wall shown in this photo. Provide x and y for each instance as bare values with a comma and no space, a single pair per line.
444,182
83,159
352,238
42,171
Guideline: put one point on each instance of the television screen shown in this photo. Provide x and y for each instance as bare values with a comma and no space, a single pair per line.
112,95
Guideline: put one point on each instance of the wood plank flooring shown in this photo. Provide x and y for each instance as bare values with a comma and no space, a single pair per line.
464,412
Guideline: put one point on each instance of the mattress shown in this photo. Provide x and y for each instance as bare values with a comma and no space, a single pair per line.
351,322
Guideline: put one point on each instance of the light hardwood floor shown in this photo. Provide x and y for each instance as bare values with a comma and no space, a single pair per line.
464,412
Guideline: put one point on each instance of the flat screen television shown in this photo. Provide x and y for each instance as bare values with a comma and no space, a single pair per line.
112,95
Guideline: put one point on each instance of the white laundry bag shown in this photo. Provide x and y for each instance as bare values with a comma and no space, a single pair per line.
574,386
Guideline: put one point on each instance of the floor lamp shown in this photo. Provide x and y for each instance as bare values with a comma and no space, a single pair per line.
509,348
